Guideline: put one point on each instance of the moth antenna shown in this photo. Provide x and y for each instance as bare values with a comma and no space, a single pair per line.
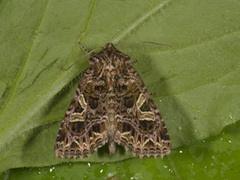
148,42
83,48
88,53
60,67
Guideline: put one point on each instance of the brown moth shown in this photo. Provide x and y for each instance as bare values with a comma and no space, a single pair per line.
112,105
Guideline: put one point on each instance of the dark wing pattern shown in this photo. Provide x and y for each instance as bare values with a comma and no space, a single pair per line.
140,127
83,129
111,105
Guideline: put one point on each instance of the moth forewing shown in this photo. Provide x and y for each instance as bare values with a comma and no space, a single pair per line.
112,104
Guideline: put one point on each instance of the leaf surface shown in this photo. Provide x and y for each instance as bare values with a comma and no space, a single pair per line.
196,81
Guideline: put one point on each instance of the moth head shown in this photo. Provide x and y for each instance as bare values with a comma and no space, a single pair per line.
109,47
110,58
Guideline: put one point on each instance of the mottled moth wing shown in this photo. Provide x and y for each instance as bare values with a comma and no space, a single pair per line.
140,127
112,105
82,130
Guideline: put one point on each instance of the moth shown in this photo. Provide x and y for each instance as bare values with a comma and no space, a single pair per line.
112,105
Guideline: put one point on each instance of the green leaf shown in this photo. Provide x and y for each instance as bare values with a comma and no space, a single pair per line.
214,158
196,81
